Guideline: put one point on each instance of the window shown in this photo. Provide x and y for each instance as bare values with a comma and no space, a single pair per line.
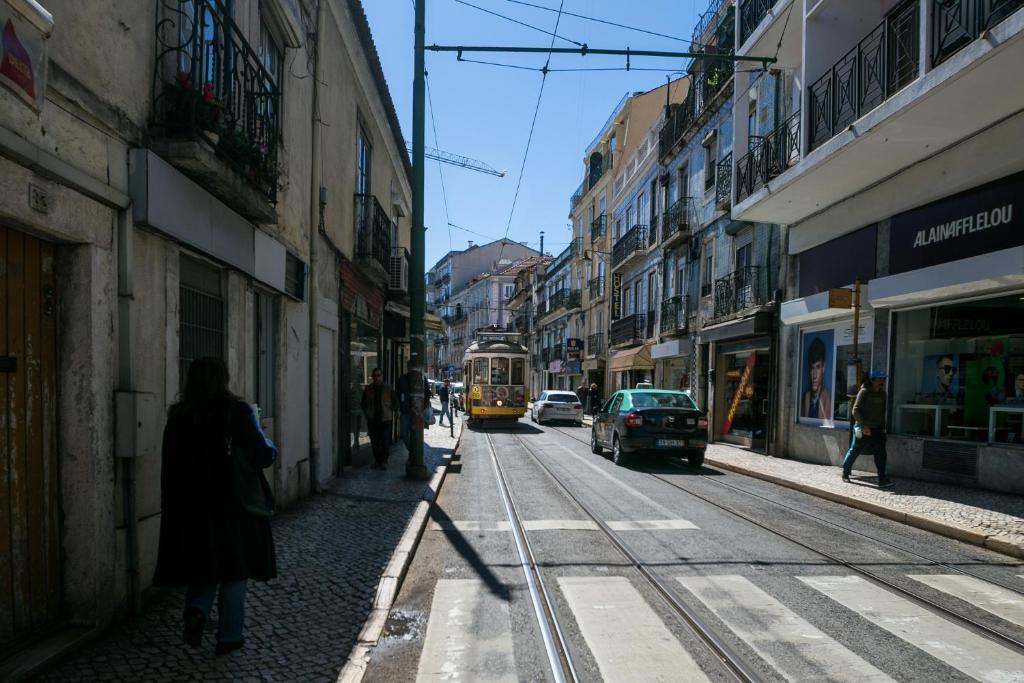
653,194
499,370
265,323
641,207
518,371
743,256
271,56
508,291
481,370
201,315
706,274
710,161
651,285
684,181
364,154
618,228
629,217
752,119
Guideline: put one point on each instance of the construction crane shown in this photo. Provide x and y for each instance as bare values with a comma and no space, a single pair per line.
460,161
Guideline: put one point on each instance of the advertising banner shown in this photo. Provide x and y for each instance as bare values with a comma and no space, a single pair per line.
616,296
741,390
22,57
574,349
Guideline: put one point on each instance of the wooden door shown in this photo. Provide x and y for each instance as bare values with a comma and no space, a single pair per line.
30,577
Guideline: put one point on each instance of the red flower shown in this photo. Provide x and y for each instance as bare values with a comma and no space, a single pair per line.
185,79
208,95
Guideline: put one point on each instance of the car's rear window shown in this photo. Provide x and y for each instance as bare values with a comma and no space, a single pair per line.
662,400
562,398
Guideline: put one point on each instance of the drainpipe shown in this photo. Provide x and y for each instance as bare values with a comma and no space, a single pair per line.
316,206
125,383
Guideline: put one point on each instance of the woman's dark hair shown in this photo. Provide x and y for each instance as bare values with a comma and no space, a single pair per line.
206,388
816,352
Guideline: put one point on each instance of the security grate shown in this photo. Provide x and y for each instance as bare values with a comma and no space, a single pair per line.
202,328
950,458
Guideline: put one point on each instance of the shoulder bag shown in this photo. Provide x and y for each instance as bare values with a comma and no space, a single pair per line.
250,487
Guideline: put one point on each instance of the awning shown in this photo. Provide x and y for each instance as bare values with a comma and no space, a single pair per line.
638,358
432,322
398,309
759,323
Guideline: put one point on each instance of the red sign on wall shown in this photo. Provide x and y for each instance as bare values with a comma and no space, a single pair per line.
22,57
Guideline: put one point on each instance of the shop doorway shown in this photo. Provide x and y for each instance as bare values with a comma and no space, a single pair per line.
742,397
30,572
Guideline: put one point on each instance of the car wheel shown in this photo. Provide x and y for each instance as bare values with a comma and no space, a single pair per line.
695,460
618,456
595,447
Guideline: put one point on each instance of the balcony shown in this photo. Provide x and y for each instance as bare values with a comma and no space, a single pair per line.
577,196
768,158
596,286
217,111
628,331
373,233
673,315
630,246
723,186
752,13
595,344
878,67
677,222
598,228
522,323
957,23
707,85
741,290
398,272
558,300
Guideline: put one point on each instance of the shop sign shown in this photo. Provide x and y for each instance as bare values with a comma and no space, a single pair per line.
555,366
574,349
839,262
741,391
985,219
975,320
23,56
572,367
616,296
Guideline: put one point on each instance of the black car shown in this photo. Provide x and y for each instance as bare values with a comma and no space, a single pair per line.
650,421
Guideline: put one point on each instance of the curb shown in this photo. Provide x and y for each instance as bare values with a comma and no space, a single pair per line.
391,581
992,542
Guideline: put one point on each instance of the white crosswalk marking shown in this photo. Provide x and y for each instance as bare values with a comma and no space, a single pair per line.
652,525
469,525
1003,603
628,640
786,641
961,649
469,636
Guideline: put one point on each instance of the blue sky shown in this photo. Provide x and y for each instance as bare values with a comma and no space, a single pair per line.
484,112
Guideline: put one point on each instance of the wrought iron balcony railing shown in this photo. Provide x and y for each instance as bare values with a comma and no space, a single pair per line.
596,286
577,196
957,23
769,157
595,344
575,299
542,310
632,243
629,330
598,228
211,84
723,187
752,13
673,315
873,71
373,232
740,290
558,300
705,86
677,220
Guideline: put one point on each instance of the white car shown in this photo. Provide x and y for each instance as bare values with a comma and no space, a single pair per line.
557,405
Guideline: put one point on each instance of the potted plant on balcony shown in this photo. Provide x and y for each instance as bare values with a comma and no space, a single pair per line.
188,109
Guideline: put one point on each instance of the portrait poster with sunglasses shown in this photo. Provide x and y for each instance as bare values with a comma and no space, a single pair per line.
940,376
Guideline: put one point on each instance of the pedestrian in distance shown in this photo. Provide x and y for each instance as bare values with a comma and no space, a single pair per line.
379,404
583,393
869,427
211,541
444,395
595,399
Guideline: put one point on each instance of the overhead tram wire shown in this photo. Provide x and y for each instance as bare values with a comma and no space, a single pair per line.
554,34
601,21
529,139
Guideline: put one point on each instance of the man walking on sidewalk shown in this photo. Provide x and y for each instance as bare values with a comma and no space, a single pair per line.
444,395
869,428
379,404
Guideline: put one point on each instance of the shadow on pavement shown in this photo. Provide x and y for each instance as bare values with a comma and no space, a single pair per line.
465,548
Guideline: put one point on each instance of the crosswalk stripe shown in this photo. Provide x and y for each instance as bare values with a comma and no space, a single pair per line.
559,525
961,649
469,635
652,525
786,641
628,640
1003,603
469,525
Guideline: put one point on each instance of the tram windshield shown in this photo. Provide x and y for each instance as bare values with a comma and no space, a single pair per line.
518,371
481,370
499,371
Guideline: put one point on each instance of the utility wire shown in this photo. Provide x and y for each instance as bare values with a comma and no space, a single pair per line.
600,21
440,170
522,23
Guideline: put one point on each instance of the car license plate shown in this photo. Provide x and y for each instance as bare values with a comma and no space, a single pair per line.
670,443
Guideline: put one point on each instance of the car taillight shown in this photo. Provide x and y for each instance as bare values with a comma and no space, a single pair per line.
545,404
633,420
702,423
577,405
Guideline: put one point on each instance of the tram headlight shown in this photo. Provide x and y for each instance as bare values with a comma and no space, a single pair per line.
498,403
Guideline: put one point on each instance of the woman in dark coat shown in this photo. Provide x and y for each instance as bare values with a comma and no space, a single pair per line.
208,542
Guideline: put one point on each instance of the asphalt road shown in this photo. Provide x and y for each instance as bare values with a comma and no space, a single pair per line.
794,587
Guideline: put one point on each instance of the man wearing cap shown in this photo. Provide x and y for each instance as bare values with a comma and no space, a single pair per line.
869,413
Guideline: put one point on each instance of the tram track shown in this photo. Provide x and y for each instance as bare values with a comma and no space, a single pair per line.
982,629
736,665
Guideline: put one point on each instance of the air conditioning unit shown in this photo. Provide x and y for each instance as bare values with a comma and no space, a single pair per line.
398,272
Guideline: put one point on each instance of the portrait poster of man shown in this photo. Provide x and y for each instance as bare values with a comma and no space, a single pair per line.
940,375
818,377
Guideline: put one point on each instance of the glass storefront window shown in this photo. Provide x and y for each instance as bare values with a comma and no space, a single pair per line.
825,352
518,371
364,352
958,371
481,370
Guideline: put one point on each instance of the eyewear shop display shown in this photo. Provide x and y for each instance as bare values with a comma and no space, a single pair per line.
825,355
959,371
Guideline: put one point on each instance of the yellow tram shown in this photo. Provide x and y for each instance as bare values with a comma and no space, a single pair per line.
494,375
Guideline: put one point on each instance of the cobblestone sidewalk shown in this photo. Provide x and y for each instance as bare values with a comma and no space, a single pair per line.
332,550
995,520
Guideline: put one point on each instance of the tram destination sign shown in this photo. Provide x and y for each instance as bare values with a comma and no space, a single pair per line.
985,219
